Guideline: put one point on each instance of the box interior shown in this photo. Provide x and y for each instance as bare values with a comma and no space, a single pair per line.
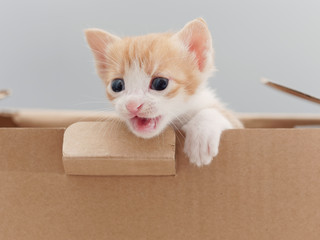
62,119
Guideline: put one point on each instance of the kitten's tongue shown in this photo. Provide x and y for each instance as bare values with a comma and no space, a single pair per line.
144,124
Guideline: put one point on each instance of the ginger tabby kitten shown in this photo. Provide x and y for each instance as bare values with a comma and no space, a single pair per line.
160,79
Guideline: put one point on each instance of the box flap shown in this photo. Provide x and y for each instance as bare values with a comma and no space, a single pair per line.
290,90
109,148
4,94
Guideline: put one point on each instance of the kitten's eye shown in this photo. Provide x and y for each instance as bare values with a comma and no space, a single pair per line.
159,83
117,85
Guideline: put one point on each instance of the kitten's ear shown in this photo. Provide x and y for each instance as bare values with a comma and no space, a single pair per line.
98,41
196,36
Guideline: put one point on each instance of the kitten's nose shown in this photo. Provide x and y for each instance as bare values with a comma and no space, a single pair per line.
134,107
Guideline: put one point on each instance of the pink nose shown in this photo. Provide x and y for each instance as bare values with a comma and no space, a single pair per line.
133,107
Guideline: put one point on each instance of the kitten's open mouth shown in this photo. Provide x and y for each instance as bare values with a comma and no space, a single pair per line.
144,124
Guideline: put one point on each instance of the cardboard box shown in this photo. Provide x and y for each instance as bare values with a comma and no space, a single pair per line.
263,185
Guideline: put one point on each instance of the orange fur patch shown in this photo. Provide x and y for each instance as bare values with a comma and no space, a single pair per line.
156,54
173,92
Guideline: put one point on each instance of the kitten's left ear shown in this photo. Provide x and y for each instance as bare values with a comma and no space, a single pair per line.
196,36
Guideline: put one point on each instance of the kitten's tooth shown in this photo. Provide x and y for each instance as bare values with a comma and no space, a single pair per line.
153,123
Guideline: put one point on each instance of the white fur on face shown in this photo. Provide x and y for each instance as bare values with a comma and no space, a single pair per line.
155,103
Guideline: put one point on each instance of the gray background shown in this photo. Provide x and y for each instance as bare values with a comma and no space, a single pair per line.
46,63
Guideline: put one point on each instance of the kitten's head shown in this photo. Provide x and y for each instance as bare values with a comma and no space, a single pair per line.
150,78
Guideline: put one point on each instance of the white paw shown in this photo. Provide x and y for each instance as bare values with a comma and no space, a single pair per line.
203,137
201,145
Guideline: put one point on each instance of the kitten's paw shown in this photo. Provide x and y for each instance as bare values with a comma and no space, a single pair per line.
203,133
201,145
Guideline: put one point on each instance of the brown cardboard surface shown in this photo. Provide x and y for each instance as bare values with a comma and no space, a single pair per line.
263,120
109,148
263,185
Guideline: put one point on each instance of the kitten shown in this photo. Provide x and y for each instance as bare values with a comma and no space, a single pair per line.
160,79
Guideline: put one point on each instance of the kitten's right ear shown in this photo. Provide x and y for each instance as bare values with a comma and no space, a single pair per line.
98,41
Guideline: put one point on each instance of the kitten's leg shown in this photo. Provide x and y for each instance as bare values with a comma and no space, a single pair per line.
203,133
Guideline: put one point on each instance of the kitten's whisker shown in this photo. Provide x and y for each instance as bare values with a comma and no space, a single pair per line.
94,98
90,102
179,133
103,113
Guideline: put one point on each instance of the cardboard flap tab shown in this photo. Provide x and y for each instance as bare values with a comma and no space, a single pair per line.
4,94
109,148
290,90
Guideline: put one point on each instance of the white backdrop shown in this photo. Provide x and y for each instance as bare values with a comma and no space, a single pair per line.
46,63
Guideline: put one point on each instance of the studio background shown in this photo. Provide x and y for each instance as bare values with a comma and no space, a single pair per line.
45,61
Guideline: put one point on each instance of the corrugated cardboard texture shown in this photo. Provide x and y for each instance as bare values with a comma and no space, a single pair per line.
109,148
264,185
